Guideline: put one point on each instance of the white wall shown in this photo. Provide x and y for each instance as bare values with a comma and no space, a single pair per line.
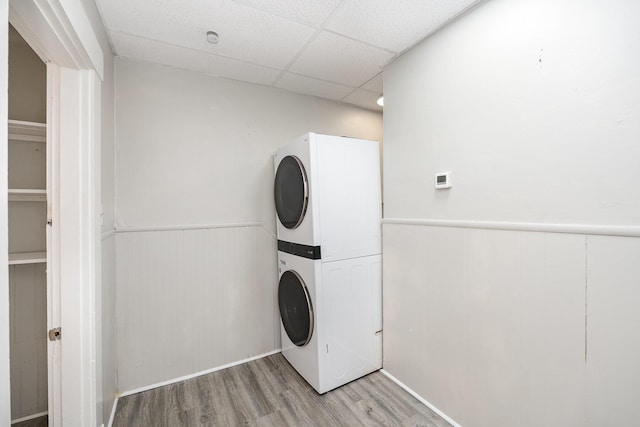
535,108
194,161
193,149
532,105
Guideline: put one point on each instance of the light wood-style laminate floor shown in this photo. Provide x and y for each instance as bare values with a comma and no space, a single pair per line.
269,392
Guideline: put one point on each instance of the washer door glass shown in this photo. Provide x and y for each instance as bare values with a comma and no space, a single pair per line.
296,311
291,192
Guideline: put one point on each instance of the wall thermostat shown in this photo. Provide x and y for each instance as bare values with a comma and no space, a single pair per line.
443,180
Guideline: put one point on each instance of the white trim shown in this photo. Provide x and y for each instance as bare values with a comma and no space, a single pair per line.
197,374
108,234
113,412
79,236
605,230
54,355
5,342
80,32
420,398
189,227
29,417
59,32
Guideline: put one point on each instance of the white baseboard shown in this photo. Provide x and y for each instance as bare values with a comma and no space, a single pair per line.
420,398
196,374
113,411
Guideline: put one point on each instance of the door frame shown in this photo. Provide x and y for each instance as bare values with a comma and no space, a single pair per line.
61,34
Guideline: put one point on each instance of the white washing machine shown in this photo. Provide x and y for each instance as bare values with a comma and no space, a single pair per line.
331,316
327,196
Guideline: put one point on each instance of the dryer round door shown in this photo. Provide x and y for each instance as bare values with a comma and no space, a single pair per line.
291,192
296,310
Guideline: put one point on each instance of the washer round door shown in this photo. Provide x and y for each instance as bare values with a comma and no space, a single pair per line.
291,192
296,310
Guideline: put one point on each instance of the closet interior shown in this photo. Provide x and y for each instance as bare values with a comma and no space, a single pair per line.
27,181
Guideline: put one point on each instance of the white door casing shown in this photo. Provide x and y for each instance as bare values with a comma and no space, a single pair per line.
5,390
60,33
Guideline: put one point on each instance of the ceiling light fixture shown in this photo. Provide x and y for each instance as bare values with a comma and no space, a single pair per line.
380,101
212,37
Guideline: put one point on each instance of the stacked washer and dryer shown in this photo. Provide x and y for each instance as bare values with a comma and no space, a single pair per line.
328,205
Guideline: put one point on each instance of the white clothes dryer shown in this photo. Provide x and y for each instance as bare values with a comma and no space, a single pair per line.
327,196
331,318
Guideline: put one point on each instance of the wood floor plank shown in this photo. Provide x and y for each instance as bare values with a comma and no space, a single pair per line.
236,405
420,420
220,402
207,412
390,393
340,404
129,411
395,410
372,415
251,391
269,392
178,399
276,419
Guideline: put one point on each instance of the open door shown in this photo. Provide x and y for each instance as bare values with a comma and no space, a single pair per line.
62,37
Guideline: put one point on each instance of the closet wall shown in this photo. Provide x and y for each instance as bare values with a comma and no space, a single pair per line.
27,81
196,247
27,218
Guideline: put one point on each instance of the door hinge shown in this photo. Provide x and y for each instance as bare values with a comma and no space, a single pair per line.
55,334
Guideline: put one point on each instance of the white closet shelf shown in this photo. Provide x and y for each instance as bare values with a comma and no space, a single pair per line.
27,258
27,131
27,195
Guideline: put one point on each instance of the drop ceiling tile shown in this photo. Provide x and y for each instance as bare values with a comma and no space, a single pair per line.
153,51
311,86
341,60
260,38
394,25
313,12
363,98
375,84
246,33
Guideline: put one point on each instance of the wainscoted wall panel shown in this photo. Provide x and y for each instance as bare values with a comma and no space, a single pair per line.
106,321
220,283
535,327
613,301
487,325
